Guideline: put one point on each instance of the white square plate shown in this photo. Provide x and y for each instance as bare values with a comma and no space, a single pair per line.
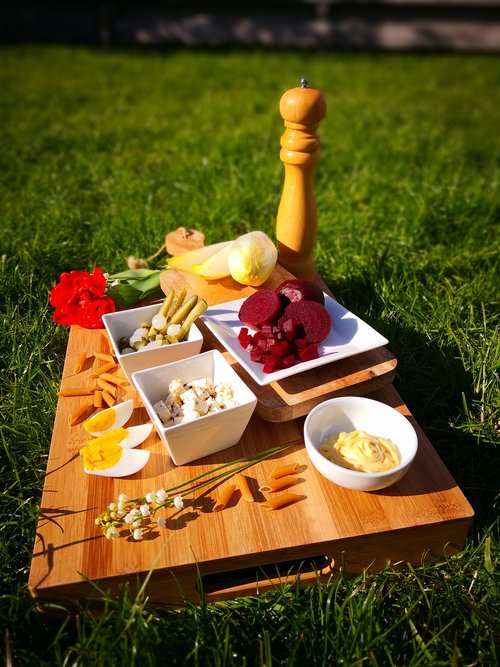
348,336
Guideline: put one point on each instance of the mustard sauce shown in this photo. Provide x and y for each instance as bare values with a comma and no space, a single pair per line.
357,450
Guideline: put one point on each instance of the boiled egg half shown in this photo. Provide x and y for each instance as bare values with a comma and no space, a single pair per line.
112,454
110,419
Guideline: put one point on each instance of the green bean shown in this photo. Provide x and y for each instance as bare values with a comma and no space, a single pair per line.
195,313
183,312
167,302
176,304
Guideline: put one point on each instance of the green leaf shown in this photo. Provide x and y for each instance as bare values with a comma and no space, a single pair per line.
127,295
124,296
133,274
148,284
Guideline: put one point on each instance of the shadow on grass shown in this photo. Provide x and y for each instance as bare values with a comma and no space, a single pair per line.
433,382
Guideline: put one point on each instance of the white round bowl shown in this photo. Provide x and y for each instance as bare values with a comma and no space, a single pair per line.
352,413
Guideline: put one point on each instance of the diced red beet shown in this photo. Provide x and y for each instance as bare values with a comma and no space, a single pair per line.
300,290
280,349
289,361
257,354
312,316
308,353
300,343
288,327
266,343
267,330
244,337
257,337
261,307
272,364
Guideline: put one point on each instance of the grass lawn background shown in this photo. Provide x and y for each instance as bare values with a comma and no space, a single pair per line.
104,151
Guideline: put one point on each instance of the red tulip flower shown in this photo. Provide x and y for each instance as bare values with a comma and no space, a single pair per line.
78,298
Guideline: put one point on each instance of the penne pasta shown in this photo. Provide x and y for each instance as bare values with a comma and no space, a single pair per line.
78,412
102,356
280,483
104,334
104,384
280,501
98,399
282,471
242,484
77,391
103,369
114,379
79,362
107,398
224,497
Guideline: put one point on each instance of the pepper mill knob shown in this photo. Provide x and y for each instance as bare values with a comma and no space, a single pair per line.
302,109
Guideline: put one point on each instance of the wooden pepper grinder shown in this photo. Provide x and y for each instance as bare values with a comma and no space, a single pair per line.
302,109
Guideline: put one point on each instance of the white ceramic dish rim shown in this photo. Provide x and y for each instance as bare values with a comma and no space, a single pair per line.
194,334
357,474
227,334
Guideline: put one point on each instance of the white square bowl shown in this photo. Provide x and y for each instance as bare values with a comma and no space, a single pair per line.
125,322
204,435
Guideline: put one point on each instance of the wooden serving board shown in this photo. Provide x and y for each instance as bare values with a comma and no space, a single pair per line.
294,396
244,548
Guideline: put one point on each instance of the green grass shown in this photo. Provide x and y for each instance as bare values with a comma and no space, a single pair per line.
103,152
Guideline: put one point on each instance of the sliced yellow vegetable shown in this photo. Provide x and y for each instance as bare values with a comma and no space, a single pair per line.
187,260
252,258
216,266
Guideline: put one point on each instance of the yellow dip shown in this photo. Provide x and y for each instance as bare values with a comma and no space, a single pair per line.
360,451
104,451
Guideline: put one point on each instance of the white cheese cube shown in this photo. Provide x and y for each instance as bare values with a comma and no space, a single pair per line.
163,411
176,387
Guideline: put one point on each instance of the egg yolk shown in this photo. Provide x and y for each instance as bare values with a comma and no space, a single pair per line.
100,456
113,437
101,421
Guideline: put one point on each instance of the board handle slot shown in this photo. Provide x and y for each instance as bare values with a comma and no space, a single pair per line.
306,568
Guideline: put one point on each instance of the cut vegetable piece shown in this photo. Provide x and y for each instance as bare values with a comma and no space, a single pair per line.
312,316
261,307
300,290
187,260
252,258
272,364
214,267
309,353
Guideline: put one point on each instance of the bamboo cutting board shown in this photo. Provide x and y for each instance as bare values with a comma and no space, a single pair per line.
243,549
294,396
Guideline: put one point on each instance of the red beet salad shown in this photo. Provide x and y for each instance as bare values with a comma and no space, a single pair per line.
288,322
